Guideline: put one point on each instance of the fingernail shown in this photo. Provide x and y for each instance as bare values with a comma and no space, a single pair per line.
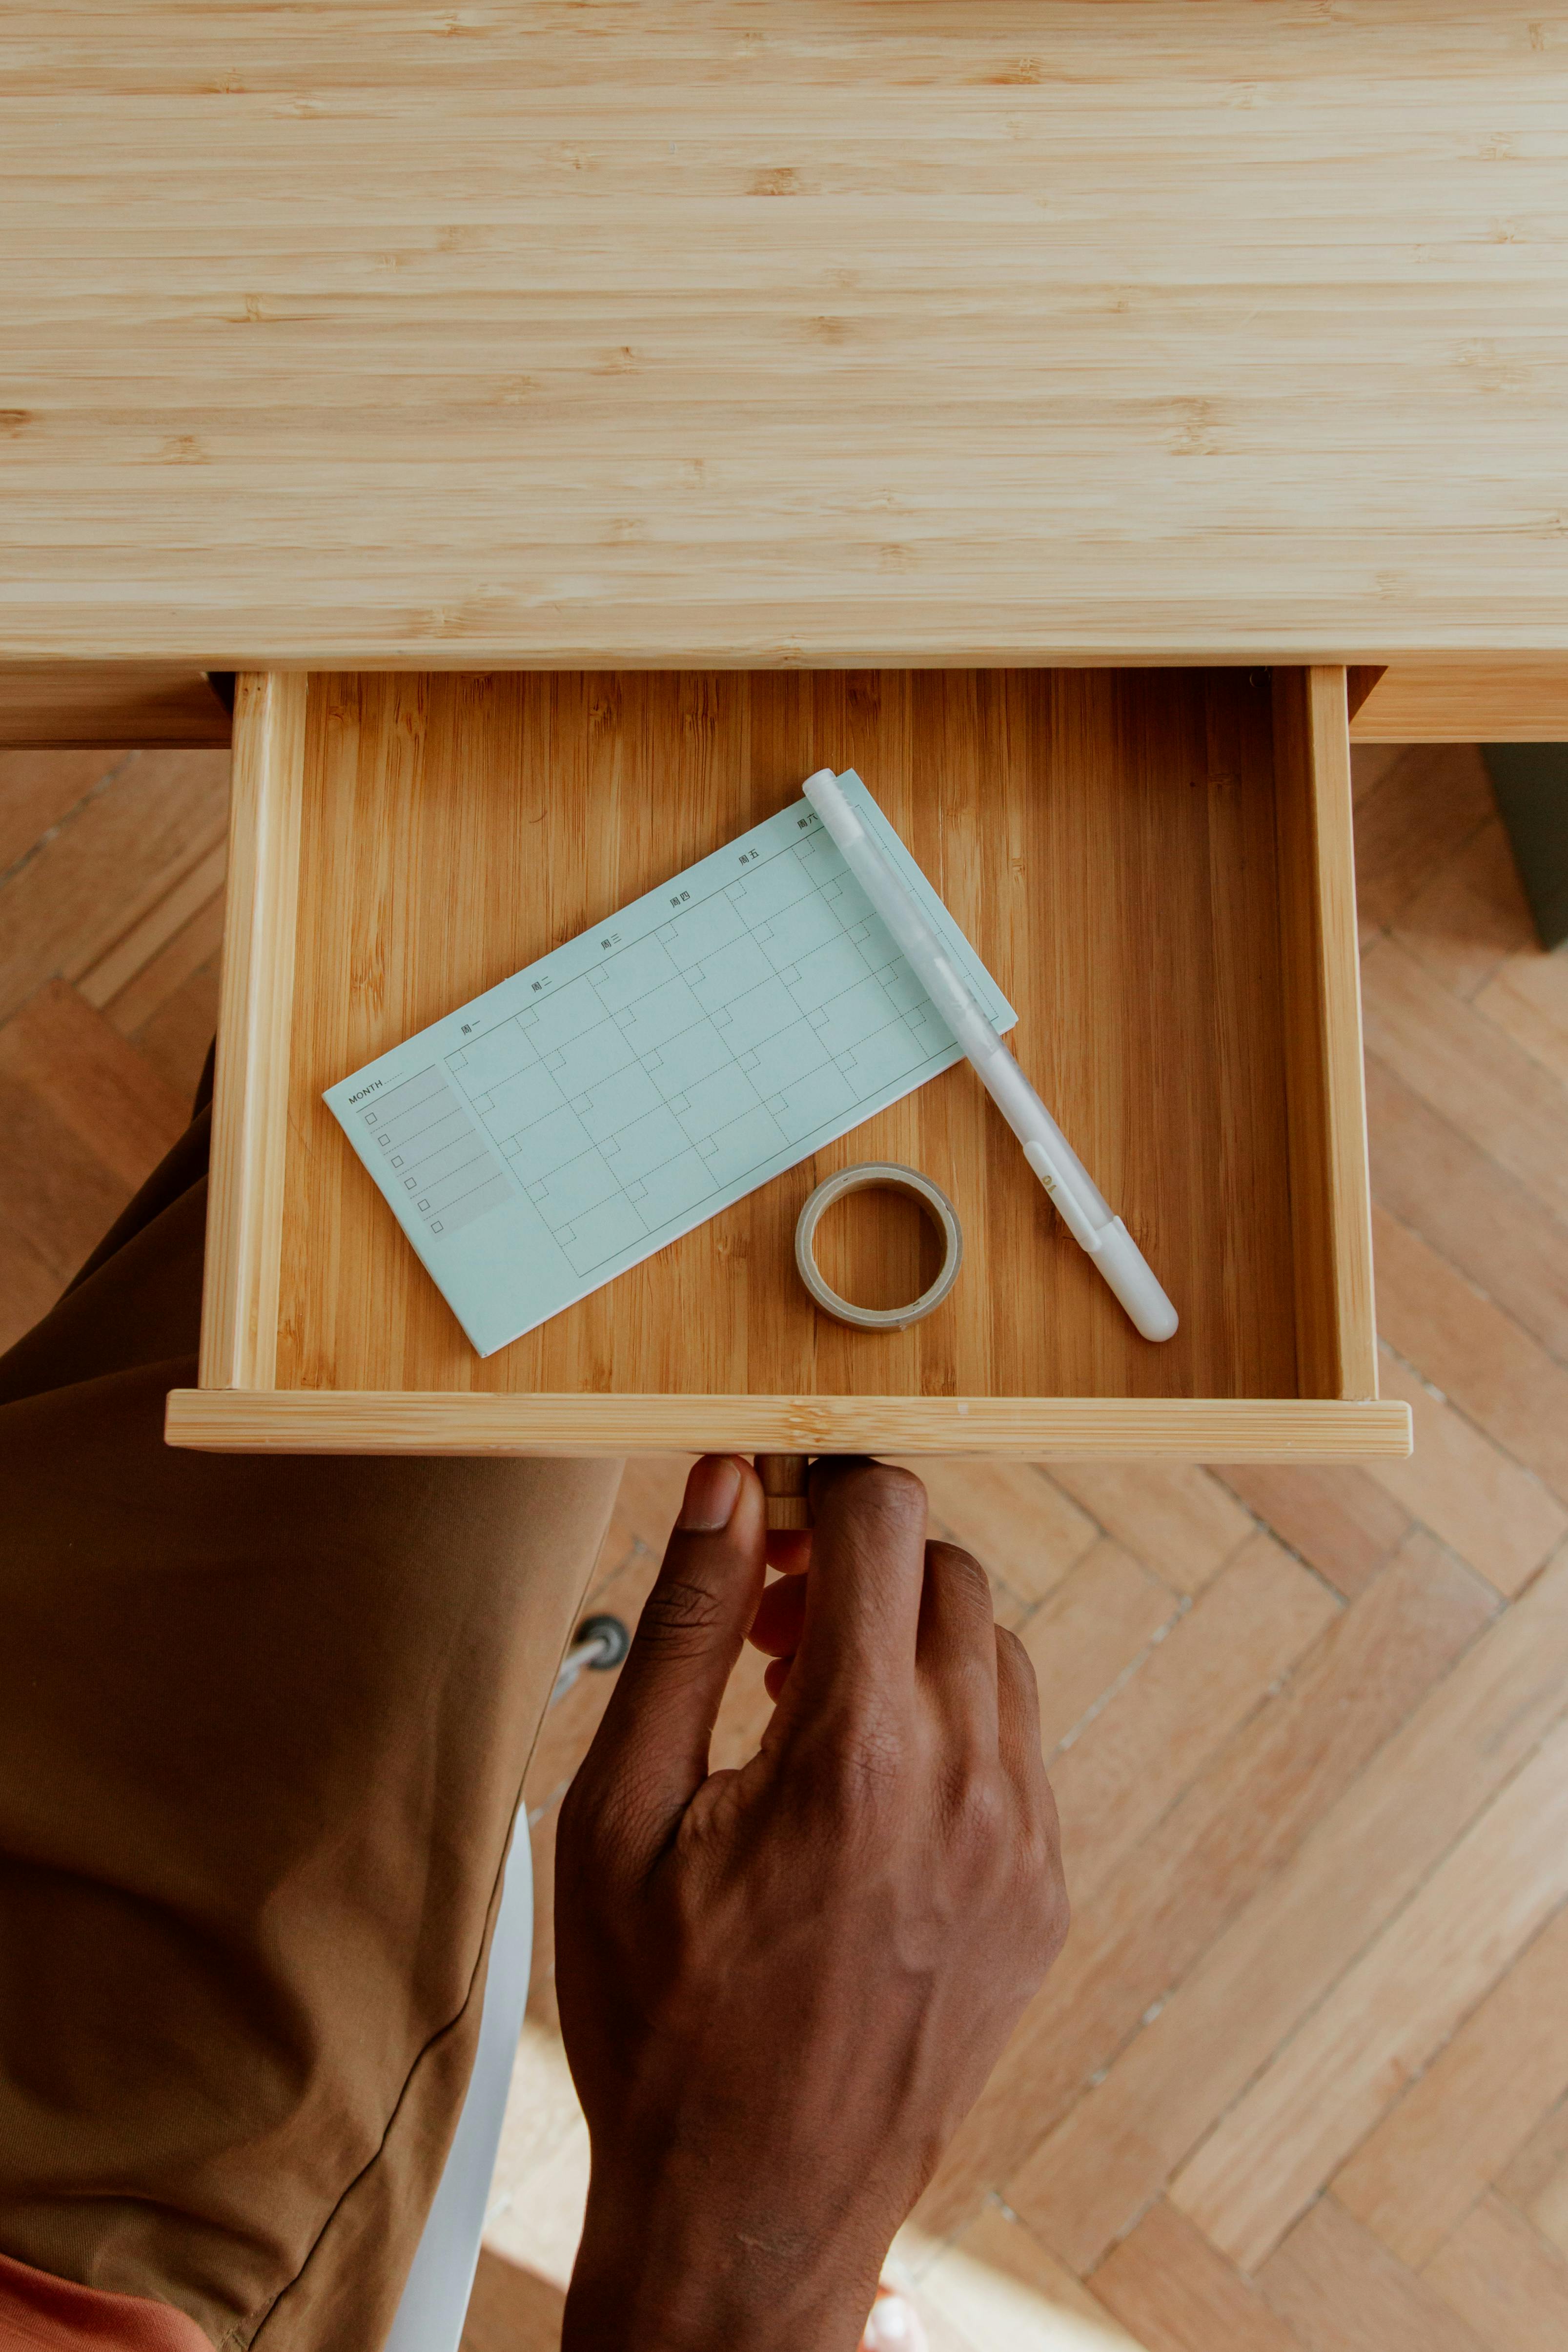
711,1492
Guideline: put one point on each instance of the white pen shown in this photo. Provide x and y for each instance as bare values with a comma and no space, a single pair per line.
1082,1208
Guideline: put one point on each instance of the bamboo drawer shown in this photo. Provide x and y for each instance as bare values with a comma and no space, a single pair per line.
1157,867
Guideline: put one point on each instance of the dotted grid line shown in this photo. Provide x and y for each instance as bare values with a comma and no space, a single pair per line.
825,891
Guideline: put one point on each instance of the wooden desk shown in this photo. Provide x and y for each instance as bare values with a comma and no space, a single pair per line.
751,336
759,331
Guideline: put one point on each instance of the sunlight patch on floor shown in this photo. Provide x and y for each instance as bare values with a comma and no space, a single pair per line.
541,2183
997,2289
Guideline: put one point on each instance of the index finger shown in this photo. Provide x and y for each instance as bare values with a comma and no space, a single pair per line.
864,1582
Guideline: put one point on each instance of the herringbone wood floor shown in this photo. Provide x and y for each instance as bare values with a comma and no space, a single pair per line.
1300,2083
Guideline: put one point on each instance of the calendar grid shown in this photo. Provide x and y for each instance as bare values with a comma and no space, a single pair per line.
639,1079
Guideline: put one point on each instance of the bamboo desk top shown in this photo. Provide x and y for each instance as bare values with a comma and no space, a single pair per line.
737,333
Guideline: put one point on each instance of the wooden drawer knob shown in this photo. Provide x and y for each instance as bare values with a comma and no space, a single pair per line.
784,1482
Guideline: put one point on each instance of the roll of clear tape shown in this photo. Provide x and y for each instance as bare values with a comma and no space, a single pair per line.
868,1174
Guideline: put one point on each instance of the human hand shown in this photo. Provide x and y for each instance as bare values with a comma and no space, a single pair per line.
782,1988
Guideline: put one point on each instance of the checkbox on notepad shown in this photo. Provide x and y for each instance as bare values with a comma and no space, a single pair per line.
481,1102
638,1192
539,1193
567,1233
819,1019
762,934
652,1061
425,1204
409,1182
609,1148
791,974
722,1017
680,1102
776,1104
752,1060
556,1061
436,1226
708,1147
397,1160
582,1103
458,1061
861,931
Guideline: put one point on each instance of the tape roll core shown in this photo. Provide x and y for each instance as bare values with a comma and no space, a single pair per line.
860,1178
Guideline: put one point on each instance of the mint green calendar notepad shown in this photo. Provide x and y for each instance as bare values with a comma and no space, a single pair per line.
601,1102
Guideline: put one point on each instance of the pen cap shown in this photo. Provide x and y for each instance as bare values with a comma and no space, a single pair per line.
1129,1274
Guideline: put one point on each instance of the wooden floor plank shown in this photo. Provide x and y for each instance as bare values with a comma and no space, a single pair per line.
113,858
30,1286
999,2291
1180,1522
1503,2278
1019,1525
1542,2157
1178,2293
1484,1221
941,2335
191,894
1344,2292
175,1037
1387,2017
1339,1522
1527,1000
1496,1515
1454,2131
94,1083
38,790
511,2309
1548,2209
1155,1733
65,1199
196,942
1087,2182
540,2182
1466,1068
1471,916
1485,1364
1240,1821
1422,812
1093,1628
1370,763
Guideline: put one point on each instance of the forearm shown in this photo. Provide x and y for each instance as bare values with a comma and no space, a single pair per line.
668,2264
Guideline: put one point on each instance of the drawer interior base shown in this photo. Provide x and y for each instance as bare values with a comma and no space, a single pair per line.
1117,844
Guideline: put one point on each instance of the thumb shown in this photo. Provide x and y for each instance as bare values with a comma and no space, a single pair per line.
650,1755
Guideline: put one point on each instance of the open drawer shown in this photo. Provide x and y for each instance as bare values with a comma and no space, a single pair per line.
1156,866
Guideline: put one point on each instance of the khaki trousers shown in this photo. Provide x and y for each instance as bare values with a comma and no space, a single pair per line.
262,1728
